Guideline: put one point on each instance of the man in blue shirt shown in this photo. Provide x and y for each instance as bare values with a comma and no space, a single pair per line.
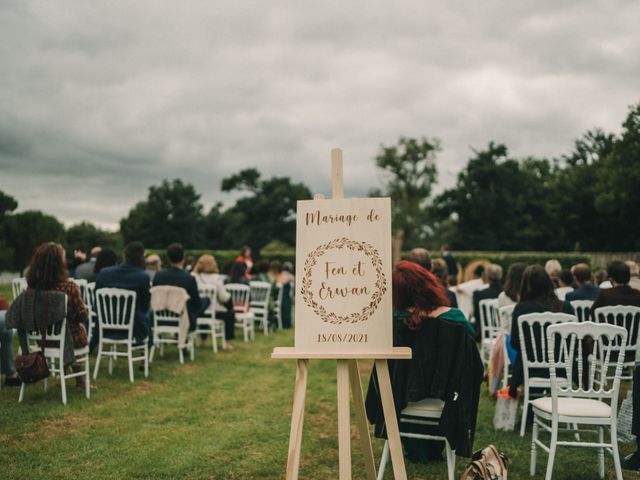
130,275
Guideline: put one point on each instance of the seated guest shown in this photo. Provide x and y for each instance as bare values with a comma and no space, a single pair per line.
106,258
205,272
553,269
620,293
153,264
421,256
130,275
509,296
585,289
634,271
441,272
493,277
260,272
536,295
6,349
237,274
565,280
48,271
86,270
176,276
245,256
445,363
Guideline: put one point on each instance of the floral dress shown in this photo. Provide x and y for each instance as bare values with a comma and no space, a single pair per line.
76,313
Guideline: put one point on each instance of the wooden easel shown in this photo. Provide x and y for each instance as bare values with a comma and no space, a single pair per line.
347,374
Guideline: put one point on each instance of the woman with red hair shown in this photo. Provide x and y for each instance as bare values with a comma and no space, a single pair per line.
418,294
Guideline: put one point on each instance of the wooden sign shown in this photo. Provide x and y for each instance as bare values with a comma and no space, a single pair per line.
343,276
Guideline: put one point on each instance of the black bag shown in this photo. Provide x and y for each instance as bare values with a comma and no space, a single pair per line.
33,367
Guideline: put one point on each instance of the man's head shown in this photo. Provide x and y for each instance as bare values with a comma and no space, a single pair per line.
154,262
421,256
95,251
134,254
175,252
618,272
444,248
634,270
582,273
478,272
440,270
493,274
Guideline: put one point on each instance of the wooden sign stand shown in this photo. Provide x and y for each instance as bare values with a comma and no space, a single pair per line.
348,374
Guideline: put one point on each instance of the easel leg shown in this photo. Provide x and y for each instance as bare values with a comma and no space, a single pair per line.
297,419
344,420
393,433
361,420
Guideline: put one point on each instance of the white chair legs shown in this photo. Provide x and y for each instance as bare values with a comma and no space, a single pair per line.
451,459
113,353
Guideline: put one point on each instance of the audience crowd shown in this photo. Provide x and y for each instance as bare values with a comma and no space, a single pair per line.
431,307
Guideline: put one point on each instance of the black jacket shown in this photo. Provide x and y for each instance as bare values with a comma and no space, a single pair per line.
585,292
446,365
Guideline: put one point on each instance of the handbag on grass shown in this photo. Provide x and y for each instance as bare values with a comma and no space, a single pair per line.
33,367
487,464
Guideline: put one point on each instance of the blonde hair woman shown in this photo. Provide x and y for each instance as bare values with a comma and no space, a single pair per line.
206,272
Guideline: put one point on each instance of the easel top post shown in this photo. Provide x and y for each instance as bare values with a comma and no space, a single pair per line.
337,177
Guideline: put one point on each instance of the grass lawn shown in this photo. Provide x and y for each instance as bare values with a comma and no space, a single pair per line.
224,416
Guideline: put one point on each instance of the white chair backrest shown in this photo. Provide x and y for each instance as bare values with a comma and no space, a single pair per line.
624,316
505,314
91,295
116,309
260,293
565,352
582,309
82,285
533,339
18,285
489,318
240,296
211,292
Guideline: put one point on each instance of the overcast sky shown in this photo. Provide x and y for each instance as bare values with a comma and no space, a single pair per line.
101,99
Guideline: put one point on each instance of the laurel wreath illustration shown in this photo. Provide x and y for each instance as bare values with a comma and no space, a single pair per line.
381,284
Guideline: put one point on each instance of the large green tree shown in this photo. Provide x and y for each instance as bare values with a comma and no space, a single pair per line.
266,212
172,212
85,235
409,173
27,230
498,203
7,205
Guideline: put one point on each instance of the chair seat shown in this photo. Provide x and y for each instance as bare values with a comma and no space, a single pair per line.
244,316
574,407
427,407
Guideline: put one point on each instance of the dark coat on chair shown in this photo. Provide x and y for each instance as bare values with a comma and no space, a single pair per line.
177,277
129,277
445,364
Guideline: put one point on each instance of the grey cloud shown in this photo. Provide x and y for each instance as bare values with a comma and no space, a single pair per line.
99,100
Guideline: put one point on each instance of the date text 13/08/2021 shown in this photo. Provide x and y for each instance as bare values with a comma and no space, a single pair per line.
342,338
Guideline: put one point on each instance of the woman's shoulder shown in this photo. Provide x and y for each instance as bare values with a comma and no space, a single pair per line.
452,314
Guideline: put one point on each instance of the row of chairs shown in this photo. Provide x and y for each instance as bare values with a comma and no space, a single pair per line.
114,310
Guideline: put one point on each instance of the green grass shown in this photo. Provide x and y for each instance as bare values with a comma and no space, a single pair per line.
224,416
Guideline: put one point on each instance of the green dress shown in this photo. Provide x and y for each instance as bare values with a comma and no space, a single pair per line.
452,315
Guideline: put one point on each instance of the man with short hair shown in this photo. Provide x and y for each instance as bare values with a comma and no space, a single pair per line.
586,290
620,293
634,270
492,275
85,270
421,256
130,275
176,276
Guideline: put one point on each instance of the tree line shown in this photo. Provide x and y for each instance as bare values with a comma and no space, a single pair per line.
584,200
